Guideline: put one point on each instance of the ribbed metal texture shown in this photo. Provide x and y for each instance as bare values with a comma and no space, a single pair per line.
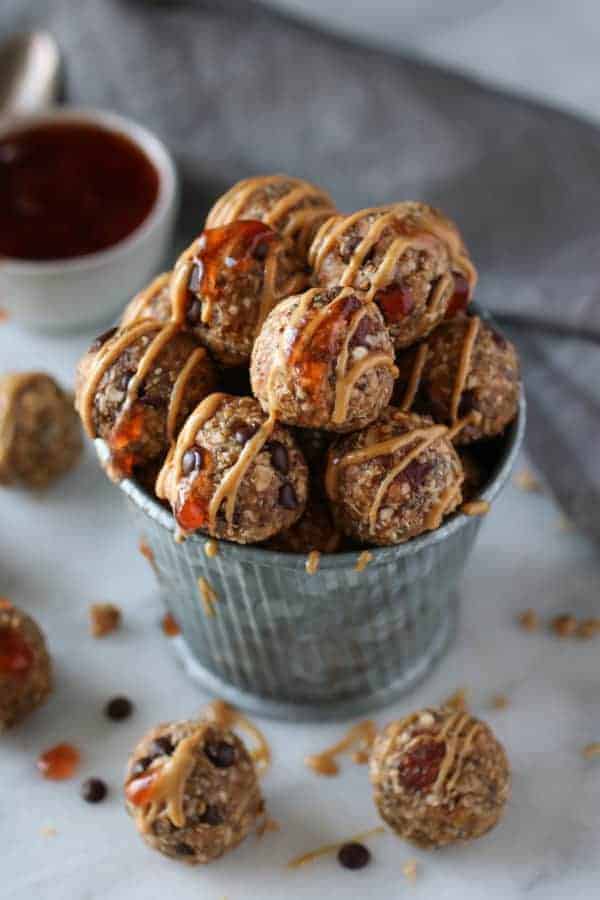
285,643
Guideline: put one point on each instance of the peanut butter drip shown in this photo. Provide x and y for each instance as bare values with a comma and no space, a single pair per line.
211,548
142,302
458,733
415,377
208,596
475,508
167,791
297,351
358,741
328,849
228,718
431,228
287,215
464,366
178,392
422,438
363,560
12,388
313,562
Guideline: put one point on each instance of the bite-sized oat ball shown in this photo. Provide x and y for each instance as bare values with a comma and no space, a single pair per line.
439,777
324,359
228,280
394,480
407,257
465,368
293,207
25,667
314,530
135,388
193,790
234,473
153,302
40,434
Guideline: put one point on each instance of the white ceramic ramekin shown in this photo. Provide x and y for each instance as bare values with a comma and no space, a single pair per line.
71,294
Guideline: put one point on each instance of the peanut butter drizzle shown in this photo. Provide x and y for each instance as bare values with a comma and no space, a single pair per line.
168,789
431,227
363,560
475,508
359,740
211,548
313,560
415,377
463,366
228,718
177,397
13,386
327,849
232,204
208,595
143,300
451,734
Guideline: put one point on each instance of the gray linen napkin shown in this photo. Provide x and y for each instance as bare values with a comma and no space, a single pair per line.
236,89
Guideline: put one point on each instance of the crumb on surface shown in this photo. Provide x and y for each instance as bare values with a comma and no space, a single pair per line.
563,523
48,831
591,751
564,625
409,870
526,481
3,314
588,628
104,619
499,701
529,620
458,701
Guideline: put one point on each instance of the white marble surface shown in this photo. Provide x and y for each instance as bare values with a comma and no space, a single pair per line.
74,547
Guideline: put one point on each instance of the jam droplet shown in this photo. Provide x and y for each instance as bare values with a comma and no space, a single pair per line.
460,298
354,855
16,656
170,626
140,790
126,432
59,762
420,767
396,302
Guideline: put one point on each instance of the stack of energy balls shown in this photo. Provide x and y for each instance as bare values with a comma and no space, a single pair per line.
302,377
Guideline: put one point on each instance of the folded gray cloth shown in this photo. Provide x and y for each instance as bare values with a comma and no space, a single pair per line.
236,89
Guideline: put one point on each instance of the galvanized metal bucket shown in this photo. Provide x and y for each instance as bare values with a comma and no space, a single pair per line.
287,644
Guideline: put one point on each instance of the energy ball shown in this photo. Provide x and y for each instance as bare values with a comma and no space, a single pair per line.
234,473
135,388
153,302
25,667
314,530
407,257
228,280
40,434
465,369
193,791
439,777
324,359
394,480
291,206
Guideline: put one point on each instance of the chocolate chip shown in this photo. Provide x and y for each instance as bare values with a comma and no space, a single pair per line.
260,249
182,849
243,433
118,708
354,856
125,379
287,496
416,472
221,755
467,403
163,746
141,765
194,312
211,816
279,456
102,339
192,460
93,790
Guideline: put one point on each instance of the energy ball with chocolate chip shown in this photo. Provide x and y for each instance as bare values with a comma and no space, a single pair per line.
234,473
394,480
324,359
135,388
40,434
467,369
314,530
25,667
291,206
193,791
407,257
439,777
228,280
